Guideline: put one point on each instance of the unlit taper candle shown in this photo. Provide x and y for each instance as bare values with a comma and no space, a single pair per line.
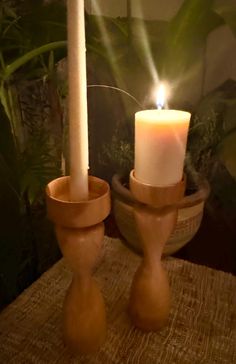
78,114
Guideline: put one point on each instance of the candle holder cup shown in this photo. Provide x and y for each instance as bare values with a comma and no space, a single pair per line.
80,230
155,216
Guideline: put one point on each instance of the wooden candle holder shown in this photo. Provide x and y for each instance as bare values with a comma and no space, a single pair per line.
155,215
80,230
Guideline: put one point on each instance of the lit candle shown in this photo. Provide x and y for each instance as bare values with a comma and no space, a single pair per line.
160,145
78,118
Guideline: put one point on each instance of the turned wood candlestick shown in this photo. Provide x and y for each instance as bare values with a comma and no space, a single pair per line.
155,215
80,230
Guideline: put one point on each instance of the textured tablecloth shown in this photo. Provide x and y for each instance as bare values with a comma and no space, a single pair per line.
201,329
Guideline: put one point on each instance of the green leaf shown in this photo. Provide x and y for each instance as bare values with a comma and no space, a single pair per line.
11,68
43,23
187,34
212,130
192,20
39,164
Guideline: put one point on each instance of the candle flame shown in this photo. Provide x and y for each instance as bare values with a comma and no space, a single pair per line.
161,97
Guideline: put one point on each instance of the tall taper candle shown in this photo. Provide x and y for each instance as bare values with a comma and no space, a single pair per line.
78,115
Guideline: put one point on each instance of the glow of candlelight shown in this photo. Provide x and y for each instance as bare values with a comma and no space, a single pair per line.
161,97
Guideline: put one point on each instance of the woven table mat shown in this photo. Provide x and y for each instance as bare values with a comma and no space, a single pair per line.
201,329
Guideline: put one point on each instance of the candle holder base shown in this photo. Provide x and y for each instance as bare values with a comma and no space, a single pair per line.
155,216
80,230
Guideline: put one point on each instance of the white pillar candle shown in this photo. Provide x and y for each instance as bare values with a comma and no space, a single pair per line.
160,146
78,122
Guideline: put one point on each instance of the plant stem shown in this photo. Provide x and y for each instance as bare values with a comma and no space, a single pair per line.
7,102
15,121
3,99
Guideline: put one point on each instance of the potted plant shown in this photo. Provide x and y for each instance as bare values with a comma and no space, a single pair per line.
176,53
28,153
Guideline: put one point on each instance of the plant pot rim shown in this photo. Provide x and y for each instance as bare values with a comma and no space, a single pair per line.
201,194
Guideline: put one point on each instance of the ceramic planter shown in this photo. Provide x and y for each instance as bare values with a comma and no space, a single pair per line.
190,213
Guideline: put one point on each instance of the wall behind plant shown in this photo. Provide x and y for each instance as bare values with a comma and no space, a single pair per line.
220,57
148,9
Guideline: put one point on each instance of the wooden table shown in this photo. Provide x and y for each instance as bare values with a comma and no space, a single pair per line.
201,329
